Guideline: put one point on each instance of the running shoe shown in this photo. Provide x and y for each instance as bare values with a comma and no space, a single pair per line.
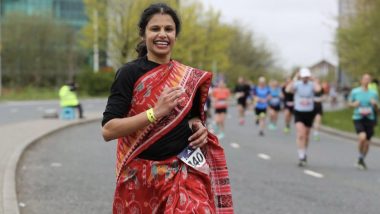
261,133
302,162
220,135
286,130
361,164
271,126
241,122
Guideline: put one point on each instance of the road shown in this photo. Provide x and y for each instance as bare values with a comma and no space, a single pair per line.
18,111
72,171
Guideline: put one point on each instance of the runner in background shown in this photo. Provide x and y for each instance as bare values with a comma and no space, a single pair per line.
304,90
274,104
364,101
220,96
318,111
242,92
373,86
288,98
261,96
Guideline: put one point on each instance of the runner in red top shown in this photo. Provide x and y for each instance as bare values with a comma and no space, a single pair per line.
220,96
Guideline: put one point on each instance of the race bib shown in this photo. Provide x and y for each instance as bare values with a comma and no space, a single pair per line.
221,103
195,159
365,110
289,103
306,102
275,101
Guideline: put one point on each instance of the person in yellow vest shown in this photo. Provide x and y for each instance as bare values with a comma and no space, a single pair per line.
68,97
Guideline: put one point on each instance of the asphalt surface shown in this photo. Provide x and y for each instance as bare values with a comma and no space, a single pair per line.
19,111
72,171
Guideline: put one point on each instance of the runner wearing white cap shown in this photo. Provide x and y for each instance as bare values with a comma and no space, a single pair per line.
303,88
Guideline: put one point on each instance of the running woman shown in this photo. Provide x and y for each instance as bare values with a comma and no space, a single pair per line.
288,98
318,111
364,101
261,95
242,91
220,96
303,90
274,104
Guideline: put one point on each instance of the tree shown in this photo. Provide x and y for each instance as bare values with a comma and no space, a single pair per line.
358,44
37,51
204,42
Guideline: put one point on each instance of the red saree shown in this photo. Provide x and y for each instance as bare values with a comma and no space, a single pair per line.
169,186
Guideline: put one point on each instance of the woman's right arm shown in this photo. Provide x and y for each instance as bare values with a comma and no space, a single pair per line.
119,127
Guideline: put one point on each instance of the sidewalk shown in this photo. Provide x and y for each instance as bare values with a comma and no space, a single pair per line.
15,138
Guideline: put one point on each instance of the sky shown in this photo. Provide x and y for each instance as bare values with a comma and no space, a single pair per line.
299,32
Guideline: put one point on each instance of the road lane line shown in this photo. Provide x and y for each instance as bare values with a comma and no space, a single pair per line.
313,174
234,145
264,156
55,164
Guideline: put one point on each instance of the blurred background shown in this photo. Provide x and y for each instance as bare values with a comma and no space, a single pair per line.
45,43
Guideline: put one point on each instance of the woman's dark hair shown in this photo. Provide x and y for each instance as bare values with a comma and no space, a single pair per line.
145,18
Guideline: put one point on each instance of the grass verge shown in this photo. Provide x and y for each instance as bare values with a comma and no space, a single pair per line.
32,93
342,120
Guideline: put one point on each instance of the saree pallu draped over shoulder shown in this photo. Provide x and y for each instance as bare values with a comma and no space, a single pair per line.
169,186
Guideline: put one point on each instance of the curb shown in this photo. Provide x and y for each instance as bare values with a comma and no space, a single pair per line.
347,135
10,203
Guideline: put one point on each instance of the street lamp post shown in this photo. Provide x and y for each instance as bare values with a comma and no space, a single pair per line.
96,42
1,48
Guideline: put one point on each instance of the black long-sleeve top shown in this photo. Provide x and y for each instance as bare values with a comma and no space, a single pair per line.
119,104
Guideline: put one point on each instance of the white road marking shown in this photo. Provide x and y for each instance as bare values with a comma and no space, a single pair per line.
235,145
312,173
264,156
55,164
21,204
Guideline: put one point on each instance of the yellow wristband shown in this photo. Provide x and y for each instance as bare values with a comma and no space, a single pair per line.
150,115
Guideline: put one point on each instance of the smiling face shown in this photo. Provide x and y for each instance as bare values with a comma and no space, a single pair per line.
160,36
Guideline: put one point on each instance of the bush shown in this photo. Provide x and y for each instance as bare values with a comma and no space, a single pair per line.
95,84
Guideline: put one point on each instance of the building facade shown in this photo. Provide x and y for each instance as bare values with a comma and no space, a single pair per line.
71,12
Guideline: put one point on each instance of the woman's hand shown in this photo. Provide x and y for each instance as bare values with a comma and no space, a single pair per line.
169,99
199,136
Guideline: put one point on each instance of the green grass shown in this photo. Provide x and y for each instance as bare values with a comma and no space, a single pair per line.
342,120
31,93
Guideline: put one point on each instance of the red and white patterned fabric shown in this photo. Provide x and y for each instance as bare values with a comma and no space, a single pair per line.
169,186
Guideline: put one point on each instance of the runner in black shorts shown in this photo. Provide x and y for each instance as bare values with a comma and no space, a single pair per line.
274,104
261,95
318,111
364,101
304,90
242,91
288,98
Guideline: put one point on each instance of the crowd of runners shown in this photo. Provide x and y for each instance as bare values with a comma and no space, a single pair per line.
300,98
